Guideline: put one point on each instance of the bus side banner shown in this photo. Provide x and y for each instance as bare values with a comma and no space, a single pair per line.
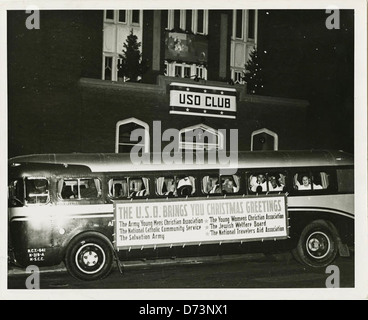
189,221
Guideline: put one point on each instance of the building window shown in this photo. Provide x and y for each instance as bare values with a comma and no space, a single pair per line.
124,129
251,24
135,16
201,72
109,15
165,15
108,68
238,77
166,69
201,137
178,71
188,20
239,24
117,26
243,41
200,22
187,71
122,16
176,19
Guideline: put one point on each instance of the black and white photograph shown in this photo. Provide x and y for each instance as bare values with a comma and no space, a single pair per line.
214,150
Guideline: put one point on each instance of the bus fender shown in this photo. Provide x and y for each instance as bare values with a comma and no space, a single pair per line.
78,232
342,247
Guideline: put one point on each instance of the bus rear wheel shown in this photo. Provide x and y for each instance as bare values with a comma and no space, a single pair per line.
318,245
89,257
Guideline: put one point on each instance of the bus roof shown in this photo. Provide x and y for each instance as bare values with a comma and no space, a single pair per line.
119,162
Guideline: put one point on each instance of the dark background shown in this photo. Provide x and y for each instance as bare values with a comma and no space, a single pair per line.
306,60
48,111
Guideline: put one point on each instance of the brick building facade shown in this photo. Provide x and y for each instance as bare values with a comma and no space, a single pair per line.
59,99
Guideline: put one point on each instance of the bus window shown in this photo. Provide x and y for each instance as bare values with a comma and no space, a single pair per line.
227,185
276,182
230,184
307,181
175,186
166,186
118,188
37,190
257,182
210,185
185,186
321,180
89,188
262,182
86,188
345,180
138,187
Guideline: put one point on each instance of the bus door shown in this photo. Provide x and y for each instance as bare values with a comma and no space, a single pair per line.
30,220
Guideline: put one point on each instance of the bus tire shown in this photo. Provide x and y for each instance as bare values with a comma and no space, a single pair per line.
89,256
317,245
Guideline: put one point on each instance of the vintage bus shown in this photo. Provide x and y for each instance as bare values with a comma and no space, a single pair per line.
89,210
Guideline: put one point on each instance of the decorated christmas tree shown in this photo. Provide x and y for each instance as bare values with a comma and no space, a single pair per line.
253,74
131,66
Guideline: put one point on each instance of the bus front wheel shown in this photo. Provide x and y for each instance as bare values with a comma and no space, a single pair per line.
89,257
317,245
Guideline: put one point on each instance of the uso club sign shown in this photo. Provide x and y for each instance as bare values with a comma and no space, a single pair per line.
207,101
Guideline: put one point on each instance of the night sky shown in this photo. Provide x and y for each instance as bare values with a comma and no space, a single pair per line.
303,59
